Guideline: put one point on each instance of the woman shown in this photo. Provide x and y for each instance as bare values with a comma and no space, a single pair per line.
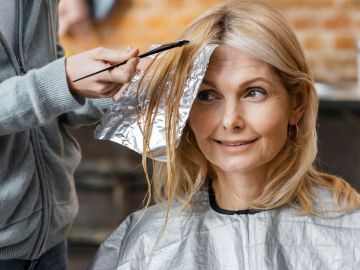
240,191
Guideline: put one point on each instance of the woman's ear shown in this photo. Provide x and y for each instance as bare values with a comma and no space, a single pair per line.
298,104
188,124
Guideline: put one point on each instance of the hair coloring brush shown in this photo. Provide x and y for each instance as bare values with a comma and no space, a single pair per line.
161,48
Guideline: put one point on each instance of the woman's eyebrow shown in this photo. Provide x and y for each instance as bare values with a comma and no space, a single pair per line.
209,83
244,83
262,79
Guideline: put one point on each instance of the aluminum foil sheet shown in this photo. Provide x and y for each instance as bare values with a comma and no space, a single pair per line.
208,240
121,124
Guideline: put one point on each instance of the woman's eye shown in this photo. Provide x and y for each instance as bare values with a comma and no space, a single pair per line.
206,95
255,93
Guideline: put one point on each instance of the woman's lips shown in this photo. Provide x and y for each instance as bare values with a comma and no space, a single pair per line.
235,145
234,142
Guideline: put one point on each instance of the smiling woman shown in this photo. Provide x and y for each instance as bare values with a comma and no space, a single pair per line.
241,123
240,191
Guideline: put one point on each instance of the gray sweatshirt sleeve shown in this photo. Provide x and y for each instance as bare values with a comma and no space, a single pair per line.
88,114
36,98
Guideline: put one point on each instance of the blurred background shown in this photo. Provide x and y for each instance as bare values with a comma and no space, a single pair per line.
110,181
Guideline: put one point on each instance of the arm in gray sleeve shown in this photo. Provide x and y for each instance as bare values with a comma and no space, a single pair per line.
35,99
89,114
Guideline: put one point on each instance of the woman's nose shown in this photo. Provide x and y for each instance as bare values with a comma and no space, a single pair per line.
232,117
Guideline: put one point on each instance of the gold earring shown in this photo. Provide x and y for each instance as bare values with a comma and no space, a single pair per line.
187,137
293,133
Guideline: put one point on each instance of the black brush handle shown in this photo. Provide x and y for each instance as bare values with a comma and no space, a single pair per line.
161,48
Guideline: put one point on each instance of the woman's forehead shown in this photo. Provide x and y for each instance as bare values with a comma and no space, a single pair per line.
228,57
229,60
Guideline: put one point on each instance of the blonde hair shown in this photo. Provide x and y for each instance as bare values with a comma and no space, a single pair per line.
258,30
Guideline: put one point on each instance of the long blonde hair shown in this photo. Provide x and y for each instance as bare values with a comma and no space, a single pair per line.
258,30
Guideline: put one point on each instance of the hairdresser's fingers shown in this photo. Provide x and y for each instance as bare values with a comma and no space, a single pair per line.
114,56
98,85
124,73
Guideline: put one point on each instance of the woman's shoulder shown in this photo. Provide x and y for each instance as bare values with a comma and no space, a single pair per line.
324,202
140,232
135,234
325,206
154,217
326,209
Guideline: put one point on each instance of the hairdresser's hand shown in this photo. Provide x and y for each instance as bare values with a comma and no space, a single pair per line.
104,84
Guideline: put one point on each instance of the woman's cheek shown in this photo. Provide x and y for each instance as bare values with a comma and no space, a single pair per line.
268,118
201,125
203,118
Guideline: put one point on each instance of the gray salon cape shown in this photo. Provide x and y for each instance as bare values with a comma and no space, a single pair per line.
213,239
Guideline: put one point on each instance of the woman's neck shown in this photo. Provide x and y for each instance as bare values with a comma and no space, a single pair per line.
234,191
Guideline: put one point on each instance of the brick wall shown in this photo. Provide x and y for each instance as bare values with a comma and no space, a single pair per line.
327,29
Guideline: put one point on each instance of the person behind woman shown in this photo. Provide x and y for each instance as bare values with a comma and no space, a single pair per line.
39,103
241,190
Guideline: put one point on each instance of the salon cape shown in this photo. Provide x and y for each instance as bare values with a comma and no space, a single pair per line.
276,239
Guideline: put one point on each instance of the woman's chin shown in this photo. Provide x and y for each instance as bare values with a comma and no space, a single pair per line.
236,167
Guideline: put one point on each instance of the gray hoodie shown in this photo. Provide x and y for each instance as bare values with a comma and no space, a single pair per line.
38,156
